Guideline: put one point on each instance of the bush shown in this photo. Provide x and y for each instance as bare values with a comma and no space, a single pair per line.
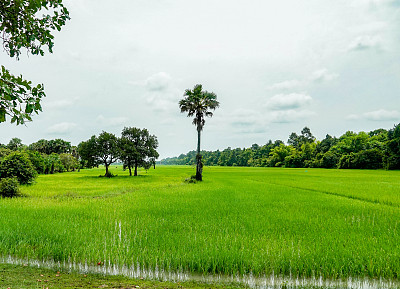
37,161
18,165
191,180
9,188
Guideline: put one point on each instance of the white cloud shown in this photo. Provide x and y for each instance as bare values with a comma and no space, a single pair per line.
291,115
323,75
376,115
62,103
364,43
162,92
62,128
382,115
111,121
288,101
353,117
244,117
158,82
288,84
318,76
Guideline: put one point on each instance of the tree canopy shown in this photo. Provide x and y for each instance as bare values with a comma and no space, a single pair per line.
21,26
137,148
378,149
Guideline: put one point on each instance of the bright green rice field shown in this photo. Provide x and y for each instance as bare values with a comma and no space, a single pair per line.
298,222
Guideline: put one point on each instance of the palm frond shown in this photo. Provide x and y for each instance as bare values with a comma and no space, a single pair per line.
198,103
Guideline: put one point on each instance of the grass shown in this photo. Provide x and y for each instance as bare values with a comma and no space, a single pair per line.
298,222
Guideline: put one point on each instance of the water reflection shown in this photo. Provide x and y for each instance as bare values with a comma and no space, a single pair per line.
271,282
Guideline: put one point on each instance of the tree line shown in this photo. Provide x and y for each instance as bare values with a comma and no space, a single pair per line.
20,163
377,149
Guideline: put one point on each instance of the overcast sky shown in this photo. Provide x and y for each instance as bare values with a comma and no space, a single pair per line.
276,66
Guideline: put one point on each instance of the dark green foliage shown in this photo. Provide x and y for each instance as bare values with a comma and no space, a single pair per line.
17,164
15,144
9,187
18,98
106,150
69,162
57,146
392,151
374,150
191,180
329,160
369,159
53,164
4,152
108,174
326,144
86,151
99,150
37,160
137,148
24,24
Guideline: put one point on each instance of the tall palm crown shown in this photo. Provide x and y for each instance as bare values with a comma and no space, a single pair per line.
198,103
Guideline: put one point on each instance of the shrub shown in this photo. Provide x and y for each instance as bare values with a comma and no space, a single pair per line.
37,161
18,165
191,180
9,188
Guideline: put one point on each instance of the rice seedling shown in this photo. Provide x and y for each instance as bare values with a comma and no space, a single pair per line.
238,221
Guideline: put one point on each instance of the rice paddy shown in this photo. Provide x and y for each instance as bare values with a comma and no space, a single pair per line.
304,223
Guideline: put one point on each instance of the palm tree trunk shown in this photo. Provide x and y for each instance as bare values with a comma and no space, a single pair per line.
199,165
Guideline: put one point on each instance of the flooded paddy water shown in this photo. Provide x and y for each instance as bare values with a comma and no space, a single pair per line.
249,281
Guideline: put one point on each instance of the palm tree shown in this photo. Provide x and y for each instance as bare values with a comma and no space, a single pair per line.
198,103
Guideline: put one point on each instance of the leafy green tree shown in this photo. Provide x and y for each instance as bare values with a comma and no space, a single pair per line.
106,150
329,160
278,155
37,160
391,157
4,152
15,144
58,146
294,140
198,103
69,162
41,146
306,136
137,148
53,164
326,144
86,151
351,142
17,164
22,27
